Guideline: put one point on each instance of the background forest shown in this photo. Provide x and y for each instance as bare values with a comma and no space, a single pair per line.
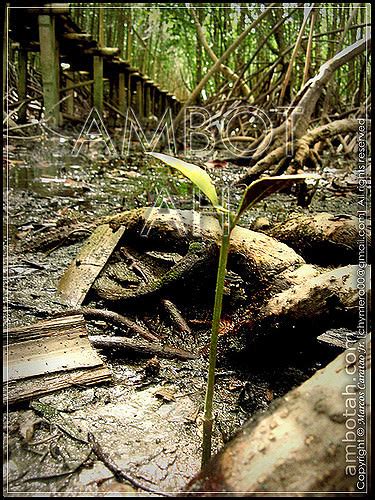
163,41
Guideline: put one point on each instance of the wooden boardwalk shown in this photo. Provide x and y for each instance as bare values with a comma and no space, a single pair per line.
74,59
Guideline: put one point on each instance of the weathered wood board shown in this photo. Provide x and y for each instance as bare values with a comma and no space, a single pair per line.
24,390
83,270
48,356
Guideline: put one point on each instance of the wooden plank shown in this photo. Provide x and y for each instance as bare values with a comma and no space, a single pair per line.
46,328
83,270
102,51
24,390
340,337
48,356
50,8
77,36
54,345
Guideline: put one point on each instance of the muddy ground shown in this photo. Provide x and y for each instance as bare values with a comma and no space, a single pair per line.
148,423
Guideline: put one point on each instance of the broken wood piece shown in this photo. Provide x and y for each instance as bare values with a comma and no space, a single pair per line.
50,355
21,391
301,444
340,337
81,273
140,347
74,324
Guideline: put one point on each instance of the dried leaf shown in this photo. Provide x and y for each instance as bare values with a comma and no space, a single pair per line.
167,395
262,188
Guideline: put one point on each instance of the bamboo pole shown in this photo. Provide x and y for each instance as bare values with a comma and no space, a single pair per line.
215,67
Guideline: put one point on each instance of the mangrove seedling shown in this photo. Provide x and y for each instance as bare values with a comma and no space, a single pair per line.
255,192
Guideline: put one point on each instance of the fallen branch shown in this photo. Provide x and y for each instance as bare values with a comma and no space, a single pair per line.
139,347
111,317
176,317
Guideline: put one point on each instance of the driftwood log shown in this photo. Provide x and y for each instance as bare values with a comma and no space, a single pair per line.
258,258
279,285
330,297
301,444
321,238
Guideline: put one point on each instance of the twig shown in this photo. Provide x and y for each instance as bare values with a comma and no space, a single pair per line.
112,317
28,137
65,238
115,469
61,474
25,125
134,264
140,347
176,316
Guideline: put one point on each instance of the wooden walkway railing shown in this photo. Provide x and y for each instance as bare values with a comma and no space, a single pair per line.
66,53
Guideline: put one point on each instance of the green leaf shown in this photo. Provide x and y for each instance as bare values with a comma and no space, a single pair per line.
196,174
262,188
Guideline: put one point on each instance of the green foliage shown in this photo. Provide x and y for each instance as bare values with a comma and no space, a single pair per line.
164,42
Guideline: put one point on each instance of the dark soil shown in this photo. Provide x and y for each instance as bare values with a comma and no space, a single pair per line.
155,438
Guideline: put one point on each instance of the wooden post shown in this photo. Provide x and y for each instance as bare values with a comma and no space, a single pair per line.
163,101
128,82
22,83
50,67
121,92
157,101
134,92
5,52
148,110
98,83
113,95
139,98
70,100
152,100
